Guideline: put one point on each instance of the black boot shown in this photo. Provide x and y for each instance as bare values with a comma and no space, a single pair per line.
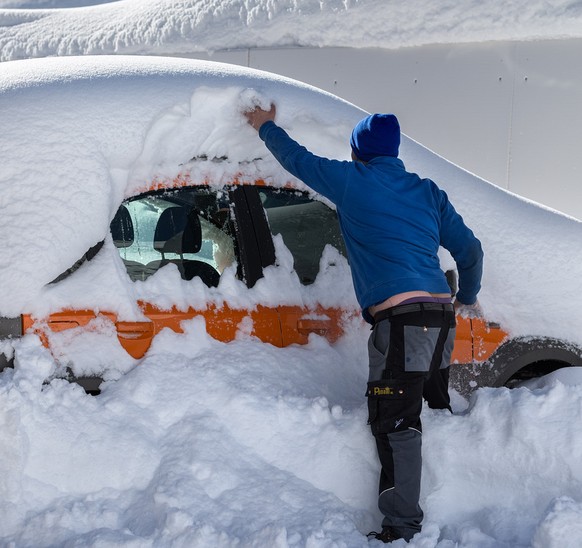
387,535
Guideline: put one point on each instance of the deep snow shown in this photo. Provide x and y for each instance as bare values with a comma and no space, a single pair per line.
217,445
243,444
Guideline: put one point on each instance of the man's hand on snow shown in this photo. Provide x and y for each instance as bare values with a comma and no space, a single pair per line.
258,116
468,310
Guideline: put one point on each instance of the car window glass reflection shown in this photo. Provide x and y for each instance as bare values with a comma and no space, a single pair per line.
189,227
305,225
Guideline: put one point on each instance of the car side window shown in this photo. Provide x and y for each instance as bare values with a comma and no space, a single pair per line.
188,227
306,226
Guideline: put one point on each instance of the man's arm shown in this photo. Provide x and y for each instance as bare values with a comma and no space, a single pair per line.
466,250
328,177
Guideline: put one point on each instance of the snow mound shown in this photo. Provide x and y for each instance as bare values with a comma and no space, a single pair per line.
193,26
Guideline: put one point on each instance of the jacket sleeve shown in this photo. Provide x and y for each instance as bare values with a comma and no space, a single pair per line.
465,249
327,177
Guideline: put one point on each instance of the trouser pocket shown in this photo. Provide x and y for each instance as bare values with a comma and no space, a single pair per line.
395,404
420,345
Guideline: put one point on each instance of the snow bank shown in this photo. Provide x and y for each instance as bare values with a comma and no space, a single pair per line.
190,26
195,447
49,4
217,445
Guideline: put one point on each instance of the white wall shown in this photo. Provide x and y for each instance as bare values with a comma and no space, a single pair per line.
510,112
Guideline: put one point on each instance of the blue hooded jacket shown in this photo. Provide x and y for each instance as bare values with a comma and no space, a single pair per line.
392,221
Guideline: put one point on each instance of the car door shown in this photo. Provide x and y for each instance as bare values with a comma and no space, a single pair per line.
240,221
306,226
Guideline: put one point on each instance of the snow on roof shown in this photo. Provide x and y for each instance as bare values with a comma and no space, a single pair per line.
193,26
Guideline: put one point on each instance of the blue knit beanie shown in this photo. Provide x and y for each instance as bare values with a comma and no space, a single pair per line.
376,135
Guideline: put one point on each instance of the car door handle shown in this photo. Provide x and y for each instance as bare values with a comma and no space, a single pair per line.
62,325
317,326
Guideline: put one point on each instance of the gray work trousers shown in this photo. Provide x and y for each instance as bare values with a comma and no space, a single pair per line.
409,352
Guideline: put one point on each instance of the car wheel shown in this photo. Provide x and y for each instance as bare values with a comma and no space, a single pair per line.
515,361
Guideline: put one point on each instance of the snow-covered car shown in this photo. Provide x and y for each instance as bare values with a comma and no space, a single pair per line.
138,200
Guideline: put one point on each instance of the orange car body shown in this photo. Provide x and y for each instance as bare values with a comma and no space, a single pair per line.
476,338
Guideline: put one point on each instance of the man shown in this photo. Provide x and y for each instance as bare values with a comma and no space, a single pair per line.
393,223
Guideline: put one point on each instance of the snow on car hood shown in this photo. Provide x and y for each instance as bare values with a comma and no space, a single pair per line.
80,134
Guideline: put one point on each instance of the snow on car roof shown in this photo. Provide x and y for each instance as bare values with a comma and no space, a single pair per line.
80,134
